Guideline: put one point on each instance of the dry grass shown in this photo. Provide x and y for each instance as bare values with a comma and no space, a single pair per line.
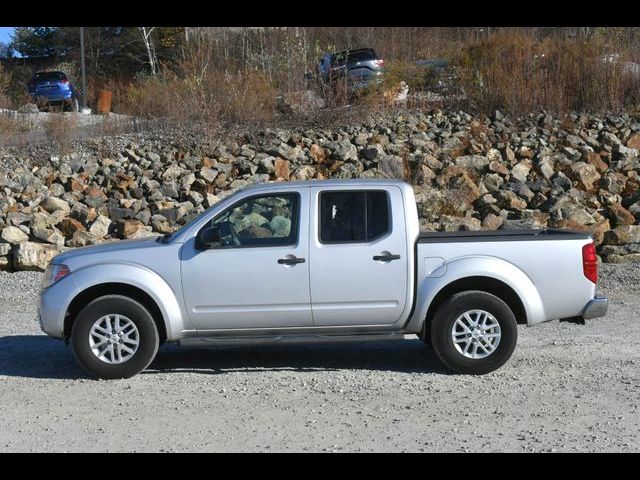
513,72
60,131
10,126
516,73
233,97
235,76
5,83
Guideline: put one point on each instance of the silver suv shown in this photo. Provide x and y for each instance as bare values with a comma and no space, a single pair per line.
357,69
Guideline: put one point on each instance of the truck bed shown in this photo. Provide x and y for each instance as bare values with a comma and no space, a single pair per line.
501,236
553,266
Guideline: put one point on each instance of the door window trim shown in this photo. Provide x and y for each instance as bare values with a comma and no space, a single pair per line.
365,241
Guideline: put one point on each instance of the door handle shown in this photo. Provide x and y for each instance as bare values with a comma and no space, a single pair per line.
290,260
386,257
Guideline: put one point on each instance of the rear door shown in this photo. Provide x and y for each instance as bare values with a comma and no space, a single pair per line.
358,256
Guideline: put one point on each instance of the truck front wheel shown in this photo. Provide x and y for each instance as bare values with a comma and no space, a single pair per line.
474,332
114,337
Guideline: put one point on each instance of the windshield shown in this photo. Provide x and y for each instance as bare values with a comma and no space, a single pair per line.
48,77
353,56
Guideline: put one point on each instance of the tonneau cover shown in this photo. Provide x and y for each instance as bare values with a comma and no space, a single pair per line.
501,236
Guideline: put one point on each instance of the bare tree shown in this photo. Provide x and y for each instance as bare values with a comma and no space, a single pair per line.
151,51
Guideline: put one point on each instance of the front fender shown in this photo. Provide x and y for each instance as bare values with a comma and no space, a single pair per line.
55,301
476,266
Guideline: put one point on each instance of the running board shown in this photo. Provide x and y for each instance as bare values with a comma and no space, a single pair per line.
288,339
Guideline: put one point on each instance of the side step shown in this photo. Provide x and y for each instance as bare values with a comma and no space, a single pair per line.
288,339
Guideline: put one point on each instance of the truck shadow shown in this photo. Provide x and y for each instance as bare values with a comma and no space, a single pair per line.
39,356
405,356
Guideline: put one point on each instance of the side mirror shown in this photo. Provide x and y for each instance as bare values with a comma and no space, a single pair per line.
209,237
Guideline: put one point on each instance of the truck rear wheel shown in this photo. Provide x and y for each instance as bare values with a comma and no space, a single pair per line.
474,332
114,337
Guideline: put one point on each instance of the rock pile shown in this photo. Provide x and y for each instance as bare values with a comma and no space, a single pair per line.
581,173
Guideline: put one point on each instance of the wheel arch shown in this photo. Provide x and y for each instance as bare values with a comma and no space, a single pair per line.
139,282
484,273
114,288
484,284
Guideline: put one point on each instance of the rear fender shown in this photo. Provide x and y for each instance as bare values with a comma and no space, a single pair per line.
477,266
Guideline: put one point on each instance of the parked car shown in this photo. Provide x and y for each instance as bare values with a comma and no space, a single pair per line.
324,260
53,89
358,69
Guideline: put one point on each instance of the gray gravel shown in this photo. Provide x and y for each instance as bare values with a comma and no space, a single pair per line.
567,388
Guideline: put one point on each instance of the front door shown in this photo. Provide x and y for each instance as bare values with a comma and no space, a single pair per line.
258,275
358,254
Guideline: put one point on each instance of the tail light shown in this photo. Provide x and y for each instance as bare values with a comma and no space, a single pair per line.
64,80
379,63
590,262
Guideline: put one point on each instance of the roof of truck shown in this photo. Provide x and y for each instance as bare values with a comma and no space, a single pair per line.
325,183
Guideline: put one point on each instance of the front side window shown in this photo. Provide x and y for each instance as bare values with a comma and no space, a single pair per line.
266,220
350,217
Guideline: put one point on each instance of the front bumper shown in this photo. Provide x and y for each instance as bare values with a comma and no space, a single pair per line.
596,308
52,306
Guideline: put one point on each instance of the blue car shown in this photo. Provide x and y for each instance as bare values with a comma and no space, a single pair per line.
53,89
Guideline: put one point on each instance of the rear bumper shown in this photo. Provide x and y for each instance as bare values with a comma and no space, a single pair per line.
596,308
53,96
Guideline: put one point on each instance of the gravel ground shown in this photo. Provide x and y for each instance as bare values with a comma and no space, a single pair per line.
567,388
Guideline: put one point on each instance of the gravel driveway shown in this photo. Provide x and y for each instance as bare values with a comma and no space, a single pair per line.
567,388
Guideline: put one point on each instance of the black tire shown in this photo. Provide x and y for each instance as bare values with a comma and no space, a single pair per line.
443,322
149,339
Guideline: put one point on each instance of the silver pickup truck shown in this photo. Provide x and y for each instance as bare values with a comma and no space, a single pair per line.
302,261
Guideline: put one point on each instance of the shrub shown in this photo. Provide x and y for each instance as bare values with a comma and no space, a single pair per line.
5,83
516,73
60,131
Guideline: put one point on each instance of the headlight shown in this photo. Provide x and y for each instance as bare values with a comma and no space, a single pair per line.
53,273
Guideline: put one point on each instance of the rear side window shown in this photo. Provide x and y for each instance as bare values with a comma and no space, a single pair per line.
351,217
362,56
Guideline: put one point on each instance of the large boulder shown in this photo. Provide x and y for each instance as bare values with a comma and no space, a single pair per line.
475,162
391,166
52,204
585,174
620,216
453,224
281,169
34,256
13,235
101,226
521,170
623,235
